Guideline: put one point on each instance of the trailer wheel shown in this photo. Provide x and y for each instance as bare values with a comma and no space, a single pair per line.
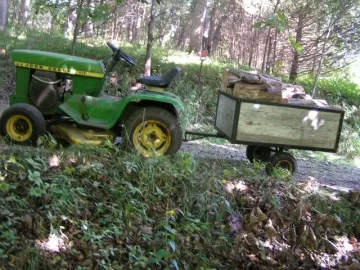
152,131
22,123
281,160
255,152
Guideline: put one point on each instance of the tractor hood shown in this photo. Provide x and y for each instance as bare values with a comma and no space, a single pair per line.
56,62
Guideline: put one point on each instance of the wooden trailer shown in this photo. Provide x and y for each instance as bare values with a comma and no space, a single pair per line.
270,128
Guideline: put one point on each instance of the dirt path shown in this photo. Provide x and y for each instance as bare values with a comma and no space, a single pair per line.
326,173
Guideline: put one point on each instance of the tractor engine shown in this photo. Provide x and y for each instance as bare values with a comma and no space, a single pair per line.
48,88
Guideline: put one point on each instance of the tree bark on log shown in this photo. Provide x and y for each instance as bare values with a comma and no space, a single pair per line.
274,85
308,102
245,76
255,91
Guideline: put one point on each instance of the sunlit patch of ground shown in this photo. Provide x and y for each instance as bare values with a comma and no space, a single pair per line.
186,59
2,108
357,162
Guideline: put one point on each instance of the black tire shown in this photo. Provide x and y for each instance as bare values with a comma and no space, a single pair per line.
151,131
23,124
281,160
260,153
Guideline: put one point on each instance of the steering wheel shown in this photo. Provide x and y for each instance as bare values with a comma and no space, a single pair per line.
119,54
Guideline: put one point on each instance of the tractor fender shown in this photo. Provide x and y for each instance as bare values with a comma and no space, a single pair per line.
145,98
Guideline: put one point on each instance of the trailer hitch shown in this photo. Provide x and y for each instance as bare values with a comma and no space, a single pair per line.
202,134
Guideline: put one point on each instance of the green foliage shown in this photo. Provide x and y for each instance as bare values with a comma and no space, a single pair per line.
278,21
296,45
338,89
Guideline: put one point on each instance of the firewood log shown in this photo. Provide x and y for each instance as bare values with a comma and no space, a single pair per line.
255,91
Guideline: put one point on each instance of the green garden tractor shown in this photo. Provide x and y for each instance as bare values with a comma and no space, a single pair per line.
64,95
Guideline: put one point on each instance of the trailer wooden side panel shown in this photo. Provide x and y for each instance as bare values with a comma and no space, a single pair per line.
245,121
284,125
225,115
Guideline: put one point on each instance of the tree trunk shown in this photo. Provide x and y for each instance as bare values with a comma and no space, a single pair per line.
14,14
180,44
197,26
321,58
151,24
268,39
77,26
268,58
217,34
71,21
254,39
316,44
55,15
89,26
265,50
136,28
211,30
3,14
273,60
128,32
25,6
114,25
295,61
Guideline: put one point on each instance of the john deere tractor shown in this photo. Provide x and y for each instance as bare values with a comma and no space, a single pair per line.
64,95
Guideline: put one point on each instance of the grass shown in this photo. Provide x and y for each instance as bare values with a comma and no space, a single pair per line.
100,207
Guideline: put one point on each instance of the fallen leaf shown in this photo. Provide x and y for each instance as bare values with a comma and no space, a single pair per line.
235,223
311,239
303,235
355,265
253,219
252,242
354,196
270,231
293,236
260,215
146,229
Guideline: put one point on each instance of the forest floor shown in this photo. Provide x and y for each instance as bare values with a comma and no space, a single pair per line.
205,208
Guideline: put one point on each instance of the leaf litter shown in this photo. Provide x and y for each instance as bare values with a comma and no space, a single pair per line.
106,209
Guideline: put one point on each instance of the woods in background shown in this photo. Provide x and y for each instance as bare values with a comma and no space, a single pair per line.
275,36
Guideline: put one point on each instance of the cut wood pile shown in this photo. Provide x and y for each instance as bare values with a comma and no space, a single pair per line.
253,85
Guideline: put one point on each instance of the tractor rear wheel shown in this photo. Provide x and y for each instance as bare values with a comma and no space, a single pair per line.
23,124
152,131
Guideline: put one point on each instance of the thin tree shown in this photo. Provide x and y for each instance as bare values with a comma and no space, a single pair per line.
150,40
3,14
197,26
150,35
268,38
321,58
25,7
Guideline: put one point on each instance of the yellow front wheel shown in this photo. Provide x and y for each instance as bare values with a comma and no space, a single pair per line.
153,131
22,123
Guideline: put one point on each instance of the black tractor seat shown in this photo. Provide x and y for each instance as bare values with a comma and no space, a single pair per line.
163,82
